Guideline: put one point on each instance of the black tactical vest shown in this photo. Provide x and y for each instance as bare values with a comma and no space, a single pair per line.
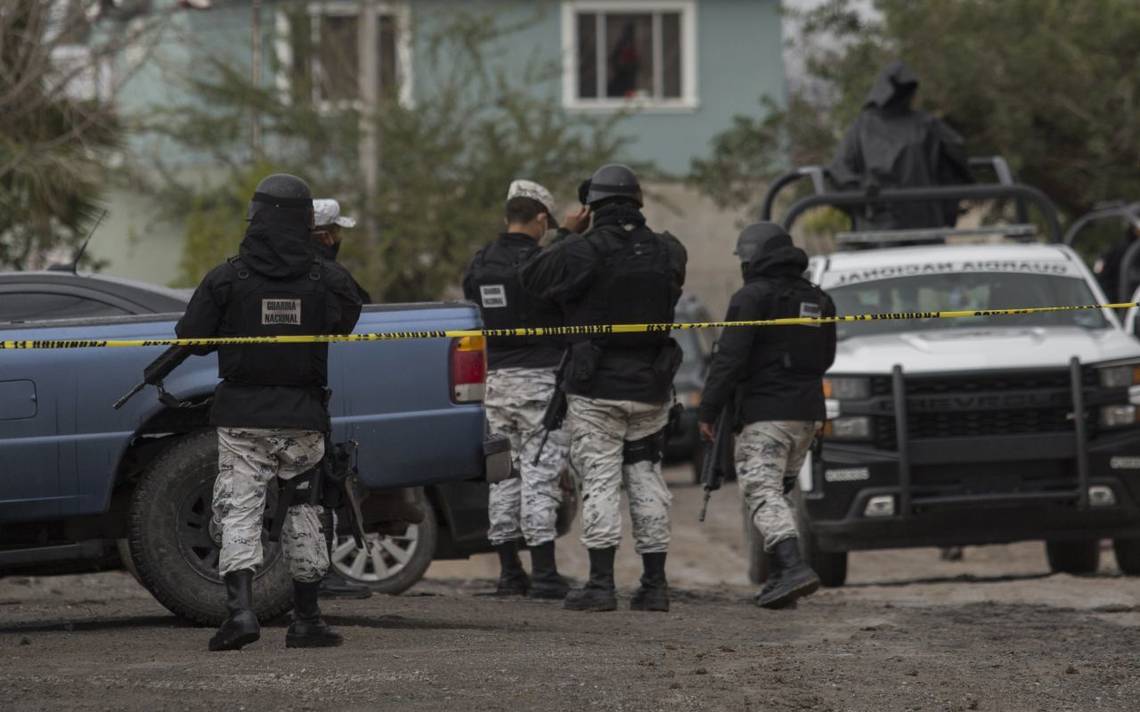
804,350
633,285
502,300
259,306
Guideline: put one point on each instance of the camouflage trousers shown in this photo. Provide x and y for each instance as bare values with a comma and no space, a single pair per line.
599,429
767,454
249,462
525,506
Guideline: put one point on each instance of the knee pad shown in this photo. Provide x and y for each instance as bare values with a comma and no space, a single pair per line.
650,448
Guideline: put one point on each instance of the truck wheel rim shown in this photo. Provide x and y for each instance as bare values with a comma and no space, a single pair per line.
385,557
194,542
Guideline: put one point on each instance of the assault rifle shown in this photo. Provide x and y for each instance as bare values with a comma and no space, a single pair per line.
718,457
555,413
155,373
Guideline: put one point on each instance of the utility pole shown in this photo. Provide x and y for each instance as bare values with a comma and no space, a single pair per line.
255,73
369,54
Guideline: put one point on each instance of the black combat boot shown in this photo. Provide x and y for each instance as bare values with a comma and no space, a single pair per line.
307,629
546,582
240,626
334,585
598,594
653,594
513,581
789,578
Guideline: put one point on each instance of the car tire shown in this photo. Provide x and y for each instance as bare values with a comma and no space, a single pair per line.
401,560
169,541
1073,557
1127,555
697,460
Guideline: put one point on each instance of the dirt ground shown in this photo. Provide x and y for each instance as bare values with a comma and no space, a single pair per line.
909,632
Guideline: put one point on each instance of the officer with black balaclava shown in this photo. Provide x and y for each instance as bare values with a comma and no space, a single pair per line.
520,382
619,387
775,375
891,144
270,408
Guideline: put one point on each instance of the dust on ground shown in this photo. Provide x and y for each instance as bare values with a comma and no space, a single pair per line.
910,632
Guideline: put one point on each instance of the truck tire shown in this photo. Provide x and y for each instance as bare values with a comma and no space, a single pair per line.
1127,555
169,540
1073,557
830,566
392,564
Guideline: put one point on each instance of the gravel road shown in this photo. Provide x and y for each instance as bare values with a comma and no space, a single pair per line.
910,632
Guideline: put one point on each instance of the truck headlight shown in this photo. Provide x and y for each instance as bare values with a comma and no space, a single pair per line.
1119,376
1117,416
846,388
856,427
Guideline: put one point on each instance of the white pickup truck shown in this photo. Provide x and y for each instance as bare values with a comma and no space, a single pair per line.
948,432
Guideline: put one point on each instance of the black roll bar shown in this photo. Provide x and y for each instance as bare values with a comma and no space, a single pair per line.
1129,212
988,191
819,184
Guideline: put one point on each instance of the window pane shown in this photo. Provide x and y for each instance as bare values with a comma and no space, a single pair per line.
338,58
629,55
587,55
671,55
389,57
35,306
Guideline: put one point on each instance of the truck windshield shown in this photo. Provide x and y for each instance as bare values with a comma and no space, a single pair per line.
964,291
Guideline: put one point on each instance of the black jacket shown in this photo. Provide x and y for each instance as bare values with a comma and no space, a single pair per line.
570,272
521,310
329,254
765,390
277,246
892,145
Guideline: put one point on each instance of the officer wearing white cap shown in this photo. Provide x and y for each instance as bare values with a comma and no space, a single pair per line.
328,223
520,382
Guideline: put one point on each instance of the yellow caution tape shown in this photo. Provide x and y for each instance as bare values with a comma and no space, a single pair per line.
590,330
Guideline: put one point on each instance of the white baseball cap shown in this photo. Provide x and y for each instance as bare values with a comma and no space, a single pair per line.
326,211
534,191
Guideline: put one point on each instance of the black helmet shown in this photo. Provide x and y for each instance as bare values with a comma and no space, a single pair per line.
612,181
761,238
281,190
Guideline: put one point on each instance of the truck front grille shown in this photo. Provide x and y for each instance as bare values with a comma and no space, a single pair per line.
1049,412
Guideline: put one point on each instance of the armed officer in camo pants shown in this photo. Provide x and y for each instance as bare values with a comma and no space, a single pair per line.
271,407
619,386
520,382
776,376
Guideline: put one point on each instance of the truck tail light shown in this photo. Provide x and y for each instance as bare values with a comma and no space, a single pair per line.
468,369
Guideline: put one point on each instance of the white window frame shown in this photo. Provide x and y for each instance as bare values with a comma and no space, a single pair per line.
351,8
689,100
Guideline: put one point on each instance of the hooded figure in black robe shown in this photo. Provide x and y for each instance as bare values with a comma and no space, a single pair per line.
893,145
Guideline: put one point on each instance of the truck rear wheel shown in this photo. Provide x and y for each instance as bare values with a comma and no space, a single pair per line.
1073,557
1127,555
169,540
392,563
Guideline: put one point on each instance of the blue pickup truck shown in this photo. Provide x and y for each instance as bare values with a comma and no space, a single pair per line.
84,486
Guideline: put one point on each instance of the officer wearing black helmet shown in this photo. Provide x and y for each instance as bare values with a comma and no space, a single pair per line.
271,407
775,374
619,387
